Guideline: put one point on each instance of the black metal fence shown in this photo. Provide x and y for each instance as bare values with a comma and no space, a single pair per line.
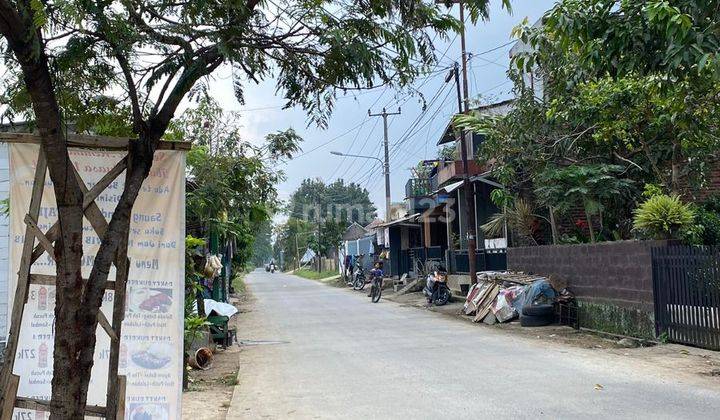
485,260
686,288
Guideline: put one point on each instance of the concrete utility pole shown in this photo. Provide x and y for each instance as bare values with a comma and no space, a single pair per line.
297,253
386,166
317,253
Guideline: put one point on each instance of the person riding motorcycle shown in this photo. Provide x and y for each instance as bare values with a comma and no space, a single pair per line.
376,272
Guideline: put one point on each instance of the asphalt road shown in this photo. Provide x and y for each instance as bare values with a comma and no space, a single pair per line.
315,351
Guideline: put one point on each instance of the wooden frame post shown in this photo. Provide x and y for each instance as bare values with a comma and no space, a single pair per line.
22,289
117,384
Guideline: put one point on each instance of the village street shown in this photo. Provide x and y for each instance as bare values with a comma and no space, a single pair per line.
314,351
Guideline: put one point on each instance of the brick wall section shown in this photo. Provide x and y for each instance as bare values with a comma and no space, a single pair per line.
711,187
617,273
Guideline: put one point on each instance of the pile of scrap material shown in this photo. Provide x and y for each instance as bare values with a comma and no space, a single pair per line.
501,296
508,277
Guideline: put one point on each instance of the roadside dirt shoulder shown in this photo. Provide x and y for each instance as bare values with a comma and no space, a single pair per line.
211,390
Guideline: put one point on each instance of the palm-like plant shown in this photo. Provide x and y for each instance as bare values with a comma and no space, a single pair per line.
590,187
520,216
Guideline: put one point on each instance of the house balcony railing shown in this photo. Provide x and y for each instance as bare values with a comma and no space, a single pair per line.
418,187
453,170
419,194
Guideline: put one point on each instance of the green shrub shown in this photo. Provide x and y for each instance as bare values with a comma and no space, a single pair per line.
710,222
664,217
651,190
712,203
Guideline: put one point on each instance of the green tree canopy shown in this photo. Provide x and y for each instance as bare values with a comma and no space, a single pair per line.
319,213
157,52
70,59
631,85
635,80
338,201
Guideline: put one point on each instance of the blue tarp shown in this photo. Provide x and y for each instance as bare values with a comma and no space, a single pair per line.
352,248
364,246
539,292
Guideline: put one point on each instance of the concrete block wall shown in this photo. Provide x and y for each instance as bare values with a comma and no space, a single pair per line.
455,281
615,272
611,280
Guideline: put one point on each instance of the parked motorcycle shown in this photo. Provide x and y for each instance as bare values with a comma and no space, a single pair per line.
436,288
359,279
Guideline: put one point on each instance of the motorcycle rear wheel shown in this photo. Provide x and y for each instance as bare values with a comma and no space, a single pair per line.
443,297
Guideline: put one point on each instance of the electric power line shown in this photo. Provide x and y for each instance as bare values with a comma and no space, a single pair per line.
327,142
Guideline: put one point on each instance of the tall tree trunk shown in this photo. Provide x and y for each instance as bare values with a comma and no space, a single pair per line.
78,300
676,161
71,369
553,225
590,226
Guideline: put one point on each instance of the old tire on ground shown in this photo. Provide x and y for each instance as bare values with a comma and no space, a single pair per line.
536,321
538,310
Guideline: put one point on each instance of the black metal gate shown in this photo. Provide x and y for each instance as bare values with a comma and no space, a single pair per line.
686,286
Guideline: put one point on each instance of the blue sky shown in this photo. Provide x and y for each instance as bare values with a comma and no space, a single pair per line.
413,134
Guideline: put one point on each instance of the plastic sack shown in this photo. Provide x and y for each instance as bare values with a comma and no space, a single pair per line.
539,292
213,265
503,307
219,308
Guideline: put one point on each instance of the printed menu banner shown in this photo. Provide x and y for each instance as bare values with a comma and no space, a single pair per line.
152,334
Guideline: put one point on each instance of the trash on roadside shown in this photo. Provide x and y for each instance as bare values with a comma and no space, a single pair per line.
539,293
538,315
484,303
475,295
218,317
506,295
490,319
502,307
220,308
201,359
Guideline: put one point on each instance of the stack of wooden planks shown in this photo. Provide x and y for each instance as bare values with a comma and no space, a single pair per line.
507,276
483,294
486,300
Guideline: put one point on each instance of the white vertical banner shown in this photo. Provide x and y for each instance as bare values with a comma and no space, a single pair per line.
151,348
